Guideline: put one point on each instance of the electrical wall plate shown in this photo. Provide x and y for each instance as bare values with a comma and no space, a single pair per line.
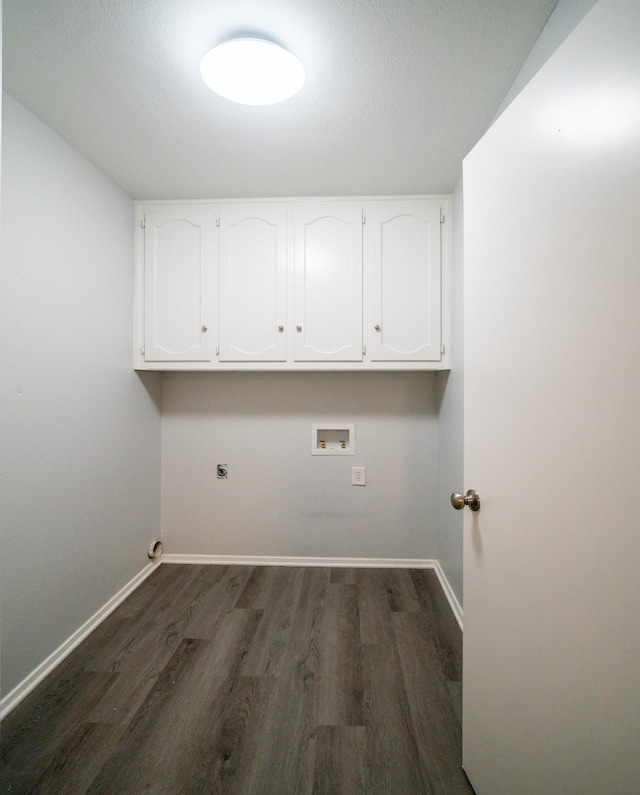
358,476
333,439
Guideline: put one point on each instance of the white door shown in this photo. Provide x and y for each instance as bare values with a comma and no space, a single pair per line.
253,283
402,281
328,283
552,426
178,284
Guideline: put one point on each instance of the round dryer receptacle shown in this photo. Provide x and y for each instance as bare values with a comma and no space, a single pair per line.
155,549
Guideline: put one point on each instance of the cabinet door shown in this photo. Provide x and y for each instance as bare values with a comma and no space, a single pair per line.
253,284
178,285
328,283
403,281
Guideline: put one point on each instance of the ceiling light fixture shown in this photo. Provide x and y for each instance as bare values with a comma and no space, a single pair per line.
252,72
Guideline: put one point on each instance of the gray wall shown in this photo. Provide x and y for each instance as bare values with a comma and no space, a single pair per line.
279,500
80,452
450,395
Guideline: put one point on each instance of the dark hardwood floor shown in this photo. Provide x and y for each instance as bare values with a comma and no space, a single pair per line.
256,681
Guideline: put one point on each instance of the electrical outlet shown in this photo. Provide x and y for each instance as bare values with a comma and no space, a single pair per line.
358,476
222,471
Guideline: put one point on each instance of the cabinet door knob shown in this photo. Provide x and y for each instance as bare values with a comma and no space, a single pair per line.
204,329
281,328
298,328
377,327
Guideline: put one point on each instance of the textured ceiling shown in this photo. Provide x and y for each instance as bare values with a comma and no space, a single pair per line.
397,91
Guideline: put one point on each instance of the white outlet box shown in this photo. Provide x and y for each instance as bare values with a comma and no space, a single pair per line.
358,476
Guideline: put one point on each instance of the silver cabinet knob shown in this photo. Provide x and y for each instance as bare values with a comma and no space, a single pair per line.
471,498
204,329
298,328
378,327
280,329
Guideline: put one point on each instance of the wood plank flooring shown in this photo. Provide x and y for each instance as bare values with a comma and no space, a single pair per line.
253,681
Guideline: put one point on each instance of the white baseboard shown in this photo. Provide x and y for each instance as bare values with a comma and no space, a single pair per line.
271,560
372,563
454,604
15,696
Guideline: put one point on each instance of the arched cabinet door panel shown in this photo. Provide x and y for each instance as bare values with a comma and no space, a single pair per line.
178,285
253,283
328,283
403,282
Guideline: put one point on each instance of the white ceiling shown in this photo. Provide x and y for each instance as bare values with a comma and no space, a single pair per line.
397,91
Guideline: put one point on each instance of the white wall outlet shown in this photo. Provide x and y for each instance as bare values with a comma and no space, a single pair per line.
358,476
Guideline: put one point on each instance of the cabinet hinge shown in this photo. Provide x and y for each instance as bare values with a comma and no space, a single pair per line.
442,349
441,217
143,223
217,350
364,350
364,218
218,219
142,351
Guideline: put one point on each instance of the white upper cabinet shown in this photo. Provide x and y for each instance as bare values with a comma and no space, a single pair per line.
403,282
178,285
253,283
296,284
328,283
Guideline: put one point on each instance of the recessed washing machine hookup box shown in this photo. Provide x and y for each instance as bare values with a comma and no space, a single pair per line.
333,439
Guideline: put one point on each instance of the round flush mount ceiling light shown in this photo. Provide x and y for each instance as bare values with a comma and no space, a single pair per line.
252,71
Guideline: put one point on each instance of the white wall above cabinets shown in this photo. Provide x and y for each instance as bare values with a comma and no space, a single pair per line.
293,284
